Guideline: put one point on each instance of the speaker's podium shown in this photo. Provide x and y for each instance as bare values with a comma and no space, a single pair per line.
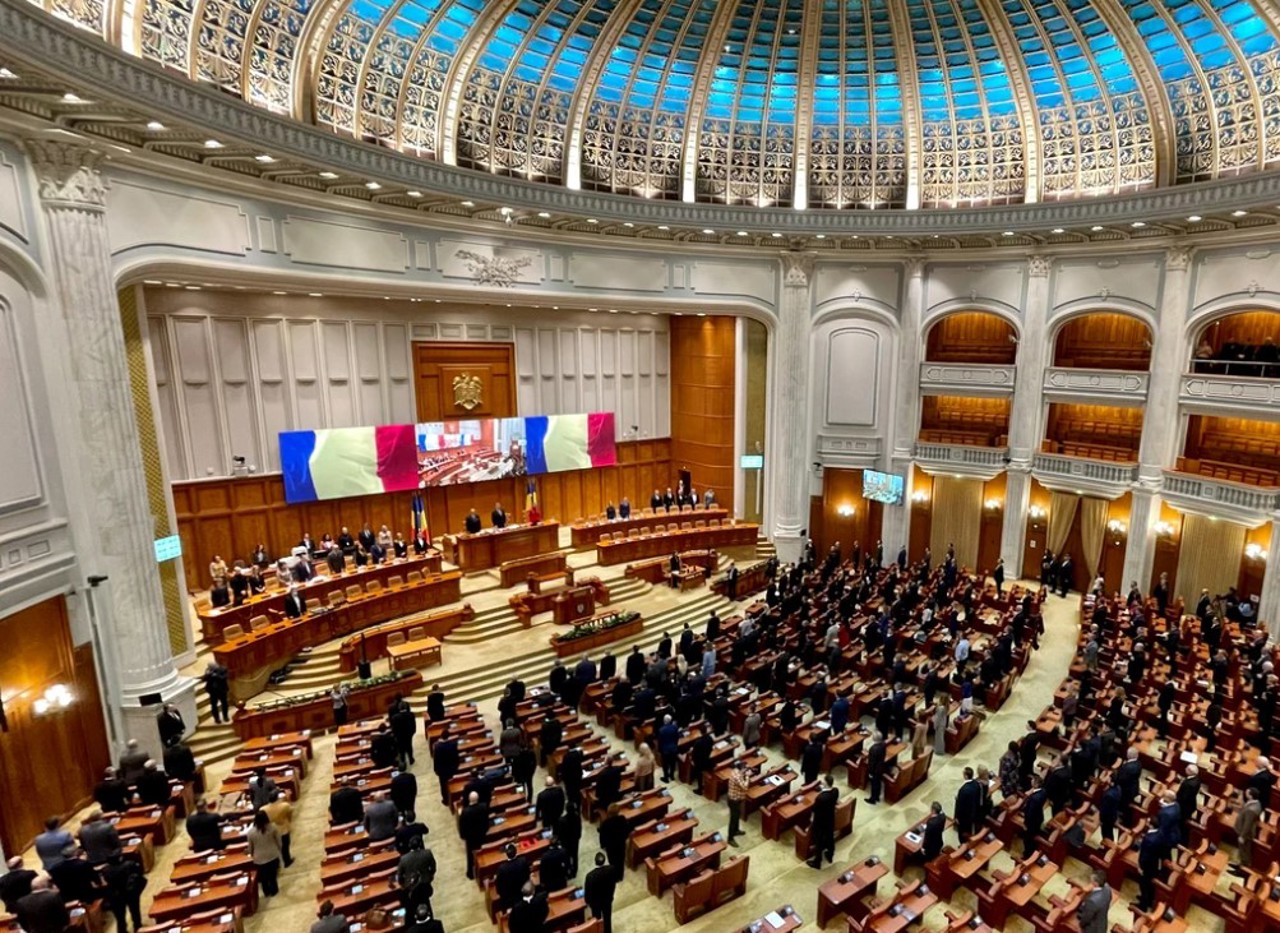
574,604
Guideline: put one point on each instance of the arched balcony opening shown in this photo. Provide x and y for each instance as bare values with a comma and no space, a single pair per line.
972,337
1103,340
1240,343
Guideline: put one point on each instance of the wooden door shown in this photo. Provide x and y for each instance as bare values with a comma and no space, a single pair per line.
464,380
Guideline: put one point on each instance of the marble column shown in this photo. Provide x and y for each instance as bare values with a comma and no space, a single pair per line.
1269,599
1160,433
896,522
789,476
1025,429
107,491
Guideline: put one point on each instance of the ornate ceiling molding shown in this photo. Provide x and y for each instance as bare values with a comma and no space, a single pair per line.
27,35
697,99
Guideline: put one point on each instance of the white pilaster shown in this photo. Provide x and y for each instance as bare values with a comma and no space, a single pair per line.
1168,359
1140,550
1024,416
110,488
789,474
1269,599
906,407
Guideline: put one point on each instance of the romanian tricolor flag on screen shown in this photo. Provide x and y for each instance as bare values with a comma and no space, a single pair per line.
337,462
570,442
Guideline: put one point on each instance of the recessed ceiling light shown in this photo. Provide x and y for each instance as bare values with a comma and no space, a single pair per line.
664,227
152,282
69,98
192,288
702,314
329,175
172,284
7,74
593,309
468,203
414,194
315,294
777,236
742,233
555,307
889,237
1238,213
1096,227
1194,218
212,144
264,159
592,220
1138,224
679,314
372,185
613,310
545,215
822,236
708,231
279,293
628,224
155,126
504,211
1058,230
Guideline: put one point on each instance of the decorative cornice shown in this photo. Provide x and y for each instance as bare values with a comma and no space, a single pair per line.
1177,259
797,269
29,35
67,173
1038,266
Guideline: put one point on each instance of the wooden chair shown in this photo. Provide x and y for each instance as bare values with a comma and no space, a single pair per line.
617,536
415,577
633,534
395,638
232,631
730,880
714,523
686,526
605,538
336,598
257,622
395,582
417,633
373,587
692,898
354,591
700,523
645,531
313,605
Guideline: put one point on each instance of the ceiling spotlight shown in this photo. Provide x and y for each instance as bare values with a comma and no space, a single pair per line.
1096,228
1137,224
1007,233
264,159
821,236
468,203
1238,213
702,314
504,211
414,194
1194,219
777,236
329,175
192,288
592,220
212,144
742,233
663,227
372,185
279,293
69,98
6,74
315,294
628,225
1058,230
708,231
155,126
545,215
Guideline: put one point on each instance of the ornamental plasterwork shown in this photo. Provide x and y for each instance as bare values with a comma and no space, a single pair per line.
494,271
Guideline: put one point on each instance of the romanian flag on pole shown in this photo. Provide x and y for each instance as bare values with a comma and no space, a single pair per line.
530,494
420,518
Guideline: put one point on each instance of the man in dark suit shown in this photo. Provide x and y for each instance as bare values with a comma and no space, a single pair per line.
473,826
1093,909
132,762
1127,777
529,913
498,516
968,804
153,786
570,774
336,560
204,826
1262,781
111,793
1032,816
99,838
15,884
472,523
875,766
75,878
569,832
1151,867
933,829
444,761
346,805
1109,811
598,891
511,877
1189,797
435,703
624,508
550,804
553,867
42,911
822,838
294,604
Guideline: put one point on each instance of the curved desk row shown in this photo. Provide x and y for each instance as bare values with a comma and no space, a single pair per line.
586,534
741,535
214,621
253,656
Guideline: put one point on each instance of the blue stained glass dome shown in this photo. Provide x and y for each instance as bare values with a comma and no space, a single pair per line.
819,104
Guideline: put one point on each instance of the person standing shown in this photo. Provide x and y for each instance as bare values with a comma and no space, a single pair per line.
338,697
216,679
1094,906
403,726
668,748
42,911
822,839
1246,826
124,885
280,812
473,826
644,767
933,829
264,849
875,767
569,832
598,890
614,831
738,784
968,802
15,883
329,922
444,761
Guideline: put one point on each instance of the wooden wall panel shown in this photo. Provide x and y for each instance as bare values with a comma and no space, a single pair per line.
1238,442
49,763
702,402
1104,340
229,516
991,529
921,514
971,337
1037,532
844,488
436,365
1103,425
1167,551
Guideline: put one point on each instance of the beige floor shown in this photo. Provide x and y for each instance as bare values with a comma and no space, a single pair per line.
776,877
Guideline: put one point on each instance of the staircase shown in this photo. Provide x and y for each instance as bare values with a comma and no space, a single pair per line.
501,620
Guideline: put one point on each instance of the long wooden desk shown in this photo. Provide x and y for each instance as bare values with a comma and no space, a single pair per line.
586,534
316,711
253,656
843,895
741,535
496,546
372,642
213,621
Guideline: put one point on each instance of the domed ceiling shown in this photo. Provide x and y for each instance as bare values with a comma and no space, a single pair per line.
835,104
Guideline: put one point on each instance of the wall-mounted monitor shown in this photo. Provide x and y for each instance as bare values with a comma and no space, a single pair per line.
888,488
751,462
168,548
